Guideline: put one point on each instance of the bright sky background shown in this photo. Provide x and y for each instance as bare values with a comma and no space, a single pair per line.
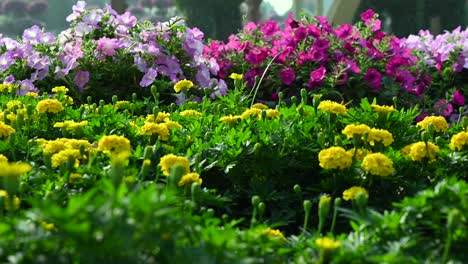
281,6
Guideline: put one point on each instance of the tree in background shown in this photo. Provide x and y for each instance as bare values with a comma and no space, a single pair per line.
217,19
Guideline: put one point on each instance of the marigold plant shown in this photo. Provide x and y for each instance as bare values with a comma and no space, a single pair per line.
335,158
378,164
332,107
52,106
114,143
439,123
351,193
327,244
168,161
459,141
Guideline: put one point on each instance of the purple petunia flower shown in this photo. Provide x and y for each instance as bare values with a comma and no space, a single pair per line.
443,108
47,38
316,77
458,98
269,28
203,76
92,19
287,76
193,42
81,79
148,78
107,46
127,20
373,78
82,29
344,31
26,86
78,10
32,35
367,15
220,88
6,60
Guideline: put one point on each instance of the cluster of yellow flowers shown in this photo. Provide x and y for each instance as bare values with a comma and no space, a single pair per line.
420,150
159,125
378,164
190,113
351,193
439,123
327,244
13,169
52,106
66,155
60,89
230,119
5,130
255,111
54,146
3,159
360,153
114,144
459,141
374,135
335,158
70,125
167,162
183,85
332,107
383,109
122,104
8,87
273,233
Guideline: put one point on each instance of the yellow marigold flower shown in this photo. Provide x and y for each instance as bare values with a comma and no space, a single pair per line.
14,170
152,129
351,130
32,94
332,107
257,113
7,202
273,233
189,178
327,244
74,178
3,159
64,156
360,153
230,119
172,124
161,117
272,113
67,100
13,103
379,135
168,161
190,113
459,141
8,87
122,104
5,130
114,143
76,143
439,123
49,106
378,164
419,151
335,158
70,125
48,226
260,106
60,89
236,76
351,193
57,145
183,85
384,109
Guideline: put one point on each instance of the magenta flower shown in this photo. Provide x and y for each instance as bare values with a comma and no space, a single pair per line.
81,79
443,108
458,98
269,28
367,15
421,117
287,76
316,77
148,78
321,44
373,78
344,31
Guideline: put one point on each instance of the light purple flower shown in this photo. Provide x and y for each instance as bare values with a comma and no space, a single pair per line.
78,10
9,79
203,76
32,35
6,60
107,46
82,29
140,63
92,19
287,76
47,38
10,44
81,79
148,78
443,108
193,41
127,20
220,88
26,86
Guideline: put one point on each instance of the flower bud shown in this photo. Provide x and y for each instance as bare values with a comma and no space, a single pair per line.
255,201
297,189
114,99
307,206
261,208
303,96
